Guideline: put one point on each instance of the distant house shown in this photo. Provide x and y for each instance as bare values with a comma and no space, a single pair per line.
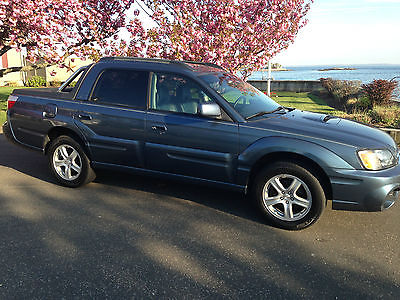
52,74
12,59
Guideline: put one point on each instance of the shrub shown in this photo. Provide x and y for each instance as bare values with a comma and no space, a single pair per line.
36,81
363,104
380,115
342,90
54,83
375,117
362,116
380,91
387,115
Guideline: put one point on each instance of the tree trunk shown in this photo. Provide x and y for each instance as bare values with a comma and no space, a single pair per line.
23,69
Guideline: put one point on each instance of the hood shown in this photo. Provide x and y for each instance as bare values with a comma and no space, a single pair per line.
321,126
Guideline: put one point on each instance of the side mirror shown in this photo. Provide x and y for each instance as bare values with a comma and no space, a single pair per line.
211,110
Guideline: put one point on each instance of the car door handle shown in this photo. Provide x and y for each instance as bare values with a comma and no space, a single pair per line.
159,128
84,116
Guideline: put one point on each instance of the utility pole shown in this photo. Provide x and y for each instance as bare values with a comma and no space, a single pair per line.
269,79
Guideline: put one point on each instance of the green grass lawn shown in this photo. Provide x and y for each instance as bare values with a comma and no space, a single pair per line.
302,101
305,101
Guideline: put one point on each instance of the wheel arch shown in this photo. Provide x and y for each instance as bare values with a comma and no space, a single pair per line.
57,131
296,158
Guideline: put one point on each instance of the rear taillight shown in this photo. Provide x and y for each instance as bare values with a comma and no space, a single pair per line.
11,101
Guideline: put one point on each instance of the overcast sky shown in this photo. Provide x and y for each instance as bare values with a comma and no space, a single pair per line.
347,32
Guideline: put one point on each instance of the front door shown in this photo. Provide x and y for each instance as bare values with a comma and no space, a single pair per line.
179,140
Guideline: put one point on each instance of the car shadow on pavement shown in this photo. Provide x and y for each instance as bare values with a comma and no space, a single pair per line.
128,236
225,200
35,164
24,160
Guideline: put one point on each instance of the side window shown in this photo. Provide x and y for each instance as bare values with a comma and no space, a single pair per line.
122,88
73,81
177,94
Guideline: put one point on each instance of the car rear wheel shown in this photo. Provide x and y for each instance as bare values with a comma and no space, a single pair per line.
69,163
289,195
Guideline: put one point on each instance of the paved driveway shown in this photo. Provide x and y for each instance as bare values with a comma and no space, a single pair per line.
132,236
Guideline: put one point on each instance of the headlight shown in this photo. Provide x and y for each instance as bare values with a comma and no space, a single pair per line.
376,159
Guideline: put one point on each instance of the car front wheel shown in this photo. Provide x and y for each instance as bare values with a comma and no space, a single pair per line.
289,195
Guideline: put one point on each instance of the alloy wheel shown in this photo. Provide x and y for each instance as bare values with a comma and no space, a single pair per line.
287,197
67,162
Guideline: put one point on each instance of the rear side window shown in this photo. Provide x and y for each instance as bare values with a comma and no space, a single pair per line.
122,88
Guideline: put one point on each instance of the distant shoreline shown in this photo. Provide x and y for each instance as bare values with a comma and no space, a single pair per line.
337,69
275,70
364,73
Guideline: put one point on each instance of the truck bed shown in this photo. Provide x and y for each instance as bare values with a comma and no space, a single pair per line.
51,92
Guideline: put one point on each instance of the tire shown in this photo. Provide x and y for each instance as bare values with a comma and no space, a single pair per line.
69,163
289,195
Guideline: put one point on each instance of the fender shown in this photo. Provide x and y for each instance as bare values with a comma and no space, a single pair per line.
66,128
322,156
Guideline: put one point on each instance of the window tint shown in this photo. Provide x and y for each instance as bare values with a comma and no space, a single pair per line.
122,87
177,94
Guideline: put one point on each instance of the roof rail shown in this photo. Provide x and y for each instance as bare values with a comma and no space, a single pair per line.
199,63
160,60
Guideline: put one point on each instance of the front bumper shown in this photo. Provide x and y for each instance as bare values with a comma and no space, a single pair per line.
365,190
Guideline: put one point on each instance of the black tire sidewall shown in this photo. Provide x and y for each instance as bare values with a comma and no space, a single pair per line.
82,178
317,193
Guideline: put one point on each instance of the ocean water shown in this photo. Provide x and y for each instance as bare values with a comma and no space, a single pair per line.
364,73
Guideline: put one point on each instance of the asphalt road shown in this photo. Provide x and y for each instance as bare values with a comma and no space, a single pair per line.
127,236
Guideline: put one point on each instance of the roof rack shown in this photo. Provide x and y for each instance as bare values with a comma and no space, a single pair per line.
160,60
198,63
130,58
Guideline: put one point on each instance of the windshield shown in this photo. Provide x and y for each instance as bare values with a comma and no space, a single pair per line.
242,96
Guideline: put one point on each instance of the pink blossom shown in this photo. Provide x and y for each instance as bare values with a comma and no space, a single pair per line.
54,29
240,35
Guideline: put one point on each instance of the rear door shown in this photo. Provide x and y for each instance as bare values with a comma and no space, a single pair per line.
113,119
181,141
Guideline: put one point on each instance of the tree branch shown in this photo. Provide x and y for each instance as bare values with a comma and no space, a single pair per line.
4,50
4,72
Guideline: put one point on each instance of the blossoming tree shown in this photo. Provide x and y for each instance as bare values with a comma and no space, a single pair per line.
51,30
239,35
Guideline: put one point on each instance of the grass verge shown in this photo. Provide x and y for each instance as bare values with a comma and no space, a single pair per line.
305,101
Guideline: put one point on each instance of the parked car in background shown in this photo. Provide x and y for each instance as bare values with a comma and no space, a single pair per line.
197,122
